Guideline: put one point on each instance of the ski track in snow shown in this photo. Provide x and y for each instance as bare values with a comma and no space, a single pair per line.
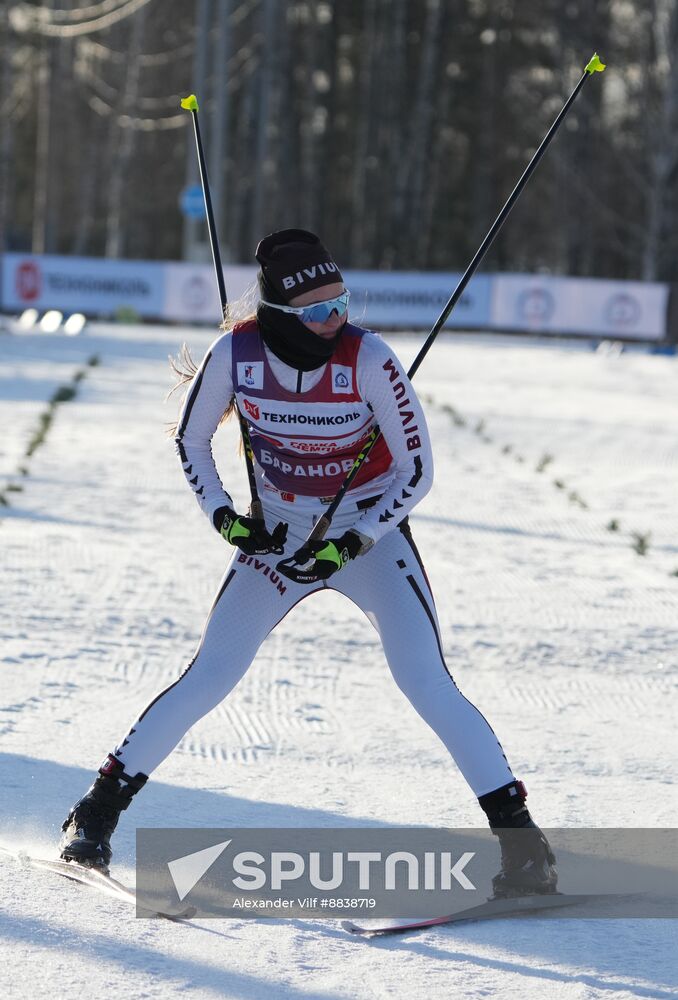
561,634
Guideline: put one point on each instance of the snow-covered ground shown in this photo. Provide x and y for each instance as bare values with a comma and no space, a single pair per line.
562,634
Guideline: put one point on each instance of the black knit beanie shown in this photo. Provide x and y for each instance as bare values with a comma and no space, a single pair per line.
293,261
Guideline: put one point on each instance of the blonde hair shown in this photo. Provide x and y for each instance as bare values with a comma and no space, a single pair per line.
185,368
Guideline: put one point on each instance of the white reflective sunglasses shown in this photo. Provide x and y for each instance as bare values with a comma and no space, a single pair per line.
317,312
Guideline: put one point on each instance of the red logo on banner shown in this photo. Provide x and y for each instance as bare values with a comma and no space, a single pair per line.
252,409
28,281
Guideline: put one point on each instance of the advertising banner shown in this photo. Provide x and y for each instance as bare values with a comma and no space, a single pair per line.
630,310
191,293
414,300
187,293
81,284
382,300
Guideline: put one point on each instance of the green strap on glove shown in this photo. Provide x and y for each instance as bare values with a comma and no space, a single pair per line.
233,528
330,553
249,534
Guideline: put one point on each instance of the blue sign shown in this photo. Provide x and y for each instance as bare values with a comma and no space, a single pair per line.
192,203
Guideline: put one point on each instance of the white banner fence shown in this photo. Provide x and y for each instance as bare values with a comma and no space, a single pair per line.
186,293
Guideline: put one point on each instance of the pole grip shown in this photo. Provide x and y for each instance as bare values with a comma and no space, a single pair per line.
319,528
257,509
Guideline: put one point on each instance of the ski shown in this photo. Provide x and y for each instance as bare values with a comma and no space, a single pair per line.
100,881
492,909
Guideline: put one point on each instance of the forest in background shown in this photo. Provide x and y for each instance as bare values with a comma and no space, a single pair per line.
393,128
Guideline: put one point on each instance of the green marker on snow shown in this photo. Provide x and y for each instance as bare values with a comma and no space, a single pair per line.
594,65
190,103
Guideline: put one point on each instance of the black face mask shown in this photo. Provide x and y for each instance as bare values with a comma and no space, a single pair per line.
292,342
288,338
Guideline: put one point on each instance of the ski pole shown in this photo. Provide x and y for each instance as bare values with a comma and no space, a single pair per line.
190,103
594,65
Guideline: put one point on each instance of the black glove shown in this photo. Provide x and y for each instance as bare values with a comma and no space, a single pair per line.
249,533
329,555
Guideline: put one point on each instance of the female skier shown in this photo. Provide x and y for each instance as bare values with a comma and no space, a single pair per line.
311,386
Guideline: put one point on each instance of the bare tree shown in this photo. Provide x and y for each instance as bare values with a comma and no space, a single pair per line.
42,146
395,129
8,111
663,145
123,139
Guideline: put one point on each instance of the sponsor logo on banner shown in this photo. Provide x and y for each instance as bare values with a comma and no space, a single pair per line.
415,299
342,379
82,284
251,408
536,305
28,281
251,374
196,292
622,311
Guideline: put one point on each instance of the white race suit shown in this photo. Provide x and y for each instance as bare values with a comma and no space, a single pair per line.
303,425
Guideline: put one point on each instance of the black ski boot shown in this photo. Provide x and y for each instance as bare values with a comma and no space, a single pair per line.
88,827
528,865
